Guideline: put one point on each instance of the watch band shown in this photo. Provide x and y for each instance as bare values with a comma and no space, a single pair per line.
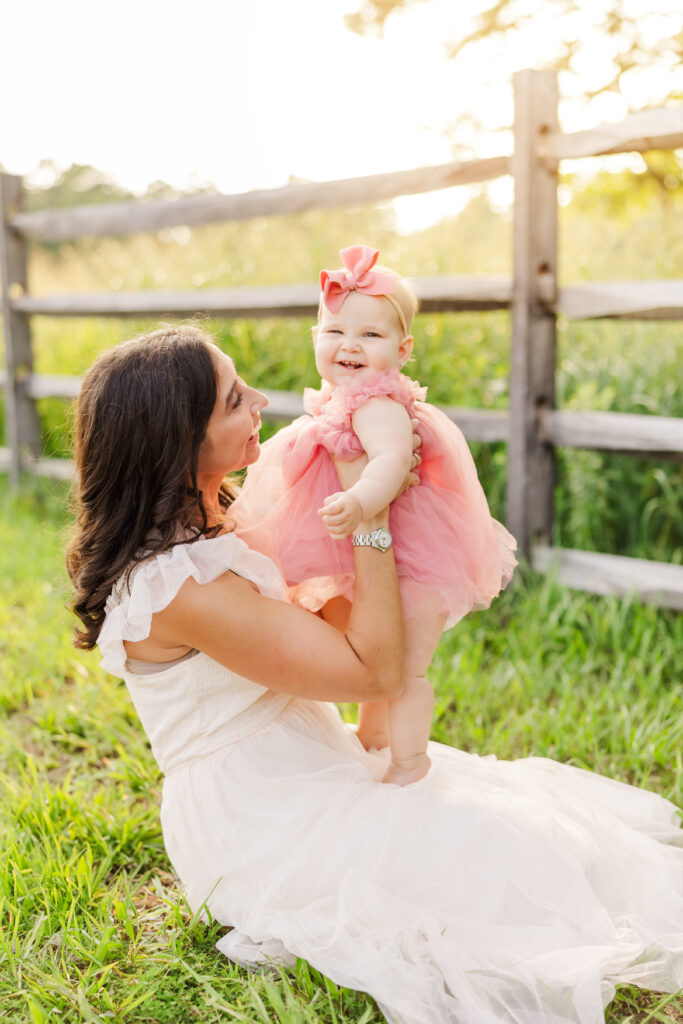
380,539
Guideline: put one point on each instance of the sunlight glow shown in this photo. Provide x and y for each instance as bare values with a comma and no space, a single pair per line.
250,95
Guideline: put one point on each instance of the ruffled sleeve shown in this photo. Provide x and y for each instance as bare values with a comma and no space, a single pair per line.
339,404
152,585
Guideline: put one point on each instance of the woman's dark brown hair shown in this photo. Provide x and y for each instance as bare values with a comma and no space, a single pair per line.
141,417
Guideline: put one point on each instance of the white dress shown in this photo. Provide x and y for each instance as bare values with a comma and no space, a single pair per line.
489,891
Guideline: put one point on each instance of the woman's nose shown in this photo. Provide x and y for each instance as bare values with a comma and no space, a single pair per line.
259,401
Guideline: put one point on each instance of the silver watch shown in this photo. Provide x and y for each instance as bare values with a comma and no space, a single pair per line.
380,539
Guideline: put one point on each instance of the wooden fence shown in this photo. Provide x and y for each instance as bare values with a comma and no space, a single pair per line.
532,427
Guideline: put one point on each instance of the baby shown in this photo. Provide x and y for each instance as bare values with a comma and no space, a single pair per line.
451,555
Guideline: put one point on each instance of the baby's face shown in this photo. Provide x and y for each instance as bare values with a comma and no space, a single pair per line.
363,337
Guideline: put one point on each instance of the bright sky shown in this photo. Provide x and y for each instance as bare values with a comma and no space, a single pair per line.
246,93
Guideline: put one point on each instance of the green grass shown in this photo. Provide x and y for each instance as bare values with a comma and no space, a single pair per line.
94,927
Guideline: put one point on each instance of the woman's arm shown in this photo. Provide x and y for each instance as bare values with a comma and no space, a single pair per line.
384,429
285,648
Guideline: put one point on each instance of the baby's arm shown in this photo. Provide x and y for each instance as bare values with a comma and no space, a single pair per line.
384,429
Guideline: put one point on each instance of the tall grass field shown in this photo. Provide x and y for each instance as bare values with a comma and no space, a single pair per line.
94,926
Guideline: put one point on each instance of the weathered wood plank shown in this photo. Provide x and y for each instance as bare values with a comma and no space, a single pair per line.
613,431
624,300
648,129
464,292
652,582
58,469
480,424
282,405
476,424
22,427
644,300
627,433
275,300
532,356
40,385
437,293
127,218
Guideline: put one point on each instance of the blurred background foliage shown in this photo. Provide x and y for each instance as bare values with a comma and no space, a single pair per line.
611,57
627,224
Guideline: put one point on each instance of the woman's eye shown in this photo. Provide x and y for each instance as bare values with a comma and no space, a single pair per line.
238,400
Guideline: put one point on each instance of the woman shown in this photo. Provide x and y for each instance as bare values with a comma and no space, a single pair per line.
485,892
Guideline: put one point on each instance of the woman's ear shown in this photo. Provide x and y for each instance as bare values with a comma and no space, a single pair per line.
404,349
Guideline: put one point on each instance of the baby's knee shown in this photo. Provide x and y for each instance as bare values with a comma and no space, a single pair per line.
417,659
418,688
416,663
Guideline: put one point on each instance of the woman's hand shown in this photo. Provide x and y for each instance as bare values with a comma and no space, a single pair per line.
413,478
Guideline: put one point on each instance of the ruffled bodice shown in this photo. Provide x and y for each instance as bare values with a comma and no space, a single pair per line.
196,706
332,409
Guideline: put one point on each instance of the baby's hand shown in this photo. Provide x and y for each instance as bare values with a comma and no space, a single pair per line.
341,514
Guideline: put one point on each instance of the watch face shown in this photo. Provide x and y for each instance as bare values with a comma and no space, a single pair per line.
384,539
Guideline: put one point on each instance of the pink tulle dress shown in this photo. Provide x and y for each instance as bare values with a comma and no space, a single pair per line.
451,555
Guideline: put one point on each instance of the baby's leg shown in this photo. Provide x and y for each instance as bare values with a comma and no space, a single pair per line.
373,724
410,715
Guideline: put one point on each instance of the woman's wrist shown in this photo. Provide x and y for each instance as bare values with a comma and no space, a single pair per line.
381,520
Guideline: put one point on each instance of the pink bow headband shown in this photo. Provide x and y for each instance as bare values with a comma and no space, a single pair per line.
358,277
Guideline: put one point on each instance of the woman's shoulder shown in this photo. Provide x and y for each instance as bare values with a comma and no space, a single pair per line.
149,586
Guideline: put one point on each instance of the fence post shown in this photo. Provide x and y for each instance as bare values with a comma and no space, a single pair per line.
22,426
532,355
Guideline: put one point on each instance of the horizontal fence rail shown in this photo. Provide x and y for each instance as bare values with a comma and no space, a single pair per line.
130,218
651,582
440,294
476,424
657,129
637,133
624,300
658,437
57,469
532,427
626,433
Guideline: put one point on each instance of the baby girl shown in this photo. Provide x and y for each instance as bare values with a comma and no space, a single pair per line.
451,555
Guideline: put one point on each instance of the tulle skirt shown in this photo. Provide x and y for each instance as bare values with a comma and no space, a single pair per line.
451,555
489,891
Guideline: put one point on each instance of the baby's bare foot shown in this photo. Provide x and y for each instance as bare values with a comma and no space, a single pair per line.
404,771
373,738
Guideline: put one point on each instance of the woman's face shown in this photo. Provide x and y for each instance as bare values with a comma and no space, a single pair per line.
232,434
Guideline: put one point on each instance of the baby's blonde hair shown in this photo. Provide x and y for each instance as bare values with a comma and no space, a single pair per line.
403,298
403,295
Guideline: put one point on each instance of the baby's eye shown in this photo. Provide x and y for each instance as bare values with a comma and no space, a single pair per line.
373,334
